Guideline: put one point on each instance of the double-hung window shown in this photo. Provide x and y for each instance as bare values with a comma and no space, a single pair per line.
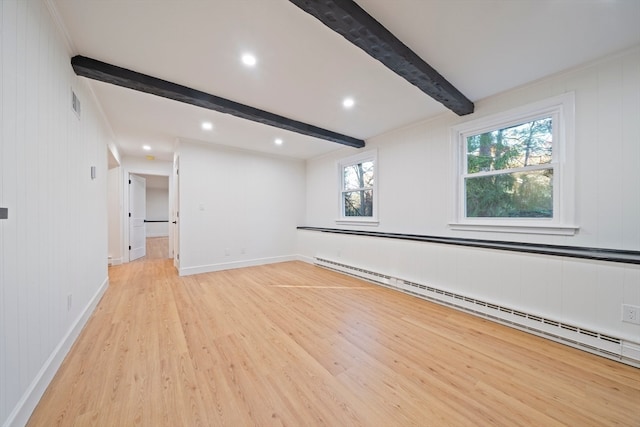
515,170
358,198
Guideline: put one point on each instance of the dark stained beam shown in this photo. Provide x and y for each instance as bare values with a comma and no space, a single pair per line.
353,23
97,70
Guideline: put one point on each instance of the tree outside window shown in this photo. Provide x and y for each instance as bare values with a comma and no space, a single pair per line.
510,172
358,188
514,170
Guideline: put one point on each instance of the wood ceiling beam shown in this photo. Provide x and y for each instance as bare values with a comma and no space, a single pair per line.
351,21
97,70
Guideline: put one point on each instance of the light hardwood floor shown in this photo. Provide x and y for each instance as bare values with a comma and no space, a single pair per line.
296,345
157,248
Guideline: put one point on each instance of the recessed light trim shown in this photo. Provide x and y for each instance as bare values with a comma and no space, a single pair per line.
207,125
146,147
249,59
278,141
348,102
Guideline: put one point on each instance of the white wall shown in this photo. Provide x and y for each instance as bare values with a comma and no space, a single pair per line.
237,208
54,244
115,214
157,209
415,196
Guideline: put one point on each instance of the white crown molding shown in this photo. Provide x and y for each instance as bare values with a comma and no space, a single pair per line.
57,19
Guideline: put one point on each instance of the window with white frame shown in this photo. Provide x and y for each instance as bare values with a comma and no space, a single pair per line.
358,198
515,170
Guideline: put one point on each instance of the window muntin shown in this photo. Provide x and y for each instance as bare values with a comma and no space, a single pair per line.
358,188
514,170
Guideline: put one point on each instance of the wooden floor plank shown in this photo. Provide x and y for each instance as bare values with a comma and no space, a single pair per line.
292,344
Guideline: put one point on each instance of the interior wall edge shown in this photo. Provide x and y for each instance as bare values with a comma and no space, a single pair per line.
29,400
211,268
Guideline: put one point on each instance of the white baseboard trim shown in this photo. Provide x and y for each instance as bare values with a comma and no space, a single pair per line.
235,264
164,234
115,261
29,400
307,259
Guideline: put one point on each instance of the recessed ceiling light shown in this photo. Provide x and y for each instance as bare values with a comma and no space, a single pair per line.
249,60
348,102
278,141
146,147
207,125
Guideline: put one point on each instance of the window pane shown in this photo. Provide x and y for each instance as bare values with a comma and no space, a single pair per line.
358,176
358,203
517,146
521,195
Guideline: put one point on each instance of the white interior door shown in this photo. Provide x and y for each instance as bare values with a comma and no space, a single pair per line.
137,215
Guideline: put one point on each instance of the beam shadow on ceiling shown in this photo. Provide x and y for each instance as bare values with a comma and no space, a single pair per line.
349,20
101,71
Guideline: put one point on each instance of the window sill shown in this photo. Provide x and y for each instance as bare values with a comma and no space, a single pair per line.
561,230
358,221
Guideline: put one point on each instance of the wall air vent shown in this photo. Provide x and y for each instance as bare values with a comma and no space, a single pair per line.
75,103
604,345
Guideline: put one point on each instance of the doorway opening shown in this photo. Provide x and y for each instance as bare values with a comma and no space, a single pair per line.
149,212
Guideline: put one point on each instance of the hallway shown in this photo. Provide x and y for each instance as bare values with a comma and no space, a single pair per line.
157,248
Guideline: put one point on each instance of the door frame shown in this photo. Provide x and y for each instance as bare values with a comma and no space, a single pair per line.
133,170
174,217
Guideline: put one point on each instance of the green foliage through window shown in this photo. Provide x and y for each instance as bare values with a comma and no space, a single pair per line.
509,172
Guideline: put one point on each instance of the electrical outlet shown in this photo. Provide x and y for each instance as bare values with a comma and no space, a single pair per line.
631,314
69,301
227,251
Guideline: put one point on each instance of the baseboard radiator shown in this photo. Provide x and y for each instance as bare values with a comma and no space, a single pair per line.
585,339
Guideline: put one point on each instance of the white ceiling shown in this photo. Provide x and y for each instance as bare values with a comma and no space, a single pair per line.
304,70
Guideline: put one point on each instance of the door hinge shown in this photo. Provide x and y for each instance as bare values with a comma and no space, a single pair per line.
129,181
129,214
129,247
178,256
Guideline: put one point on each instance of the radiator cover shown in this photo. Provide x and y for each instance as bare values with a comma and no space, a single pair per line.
585,339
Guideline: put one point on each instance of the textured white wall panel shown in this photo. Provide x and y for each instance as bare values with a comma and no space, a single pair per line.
115,214
54,243
630,117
